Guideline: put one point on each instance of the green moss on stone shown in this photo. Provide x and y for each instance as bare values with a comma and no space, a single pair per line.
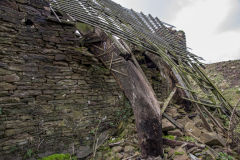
189,139
178,153
59,157
171,137
84,28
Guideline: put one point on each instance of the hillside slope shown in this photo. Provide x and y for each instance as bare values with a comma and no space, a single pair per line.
226,76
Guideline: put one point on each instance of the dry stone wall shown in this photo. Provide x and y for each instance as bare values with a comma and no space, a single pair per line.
52,96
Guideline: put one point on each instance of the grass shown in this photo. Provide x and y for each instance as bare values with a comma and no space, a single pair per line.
231,93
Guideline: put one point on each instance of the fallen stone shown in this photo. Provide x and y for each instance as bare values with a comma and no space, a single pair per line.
193,157
175,132
167,126
181,157
110,158
211,139
170,152
119,156
184,120
180,154
117,149
198,122
173,112
192,129
83,151
128,149
182,111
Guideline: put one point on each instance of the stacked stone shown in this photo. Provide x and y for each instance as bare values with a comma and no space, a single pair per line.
52,96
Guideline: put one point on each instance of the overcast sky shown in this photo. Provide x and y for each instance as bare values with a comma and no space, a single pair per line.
212,27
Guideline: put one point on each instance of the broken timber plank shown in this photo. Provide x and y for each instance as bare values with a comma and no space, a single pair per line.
175,123
168,100
140,94
157,61
174,143
204,104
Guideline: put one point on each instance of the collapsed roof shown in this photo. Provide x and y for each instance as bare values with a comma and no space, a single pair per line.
153,35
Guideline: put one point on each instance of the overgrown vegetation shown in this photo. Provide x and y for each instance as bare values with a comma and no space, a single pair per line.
224,156
189,139
226,76
28,154
59,157
171,137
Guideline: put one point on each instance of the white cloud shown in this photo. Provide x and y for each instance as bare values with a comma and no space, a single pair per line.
201,20
166,8
232,21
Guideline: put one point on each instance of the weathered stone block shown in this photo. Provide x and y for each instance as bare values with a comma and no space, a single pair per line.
51,51
29,10
48,92
23,68
7,86
68,82
53,39
60,64
44,97
36,57
10,78
11,132
211,139
61,102
17,124
167,126
9,100
82,82
49,68
4,93
60,57
27,93
192,129
22,1
4,72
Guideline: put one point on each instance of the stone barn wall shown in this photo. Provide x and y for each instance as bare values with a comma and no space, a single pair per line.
52,92
52,96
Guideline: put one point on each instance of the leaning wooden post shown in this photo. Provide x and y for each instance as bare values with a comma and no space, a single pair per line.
136,88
